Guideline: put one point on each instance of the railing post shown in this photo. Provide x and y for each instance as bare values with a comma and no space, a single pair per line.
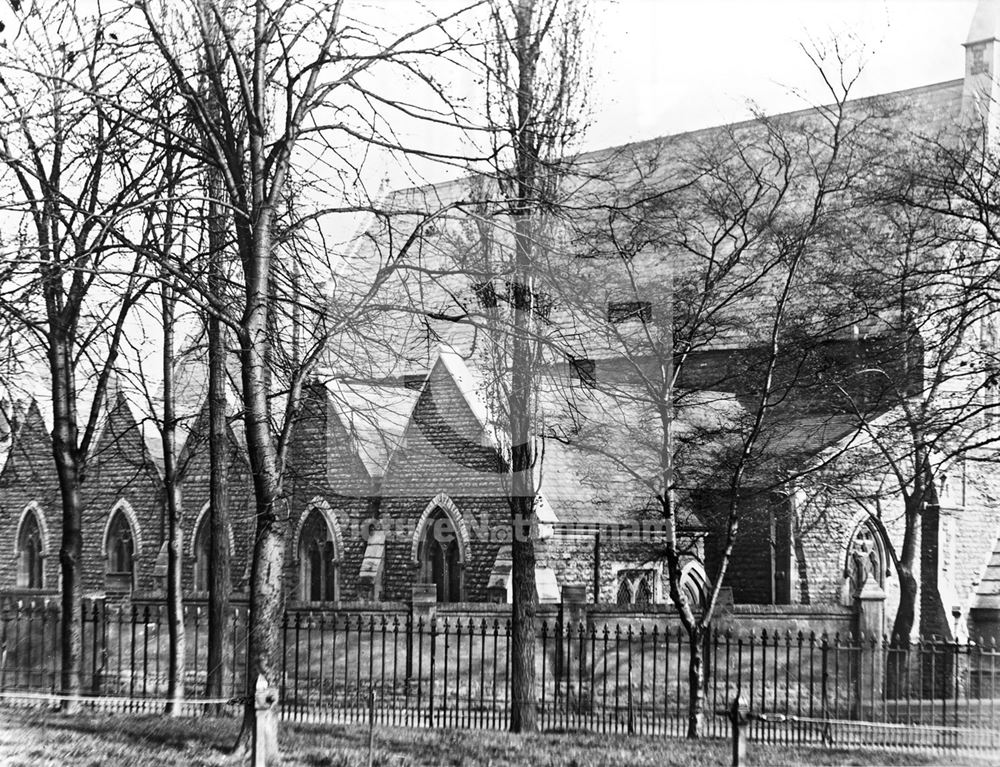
3,642
825,690
371,723
265,725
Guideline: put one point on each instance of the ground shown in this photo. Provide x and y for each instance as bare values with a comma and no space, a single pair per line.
33,737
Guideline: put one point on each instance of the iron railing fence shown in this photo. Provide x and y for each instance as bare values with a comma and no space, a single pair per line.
596,675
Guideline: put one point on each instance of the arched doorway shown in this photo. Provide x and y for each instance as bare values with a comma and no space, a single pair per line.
318,570
440,557
120,553
30,553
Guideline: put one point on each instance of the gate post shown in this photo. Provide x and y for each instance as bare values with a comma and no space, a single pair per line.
869,617
738,720
574,601
265,725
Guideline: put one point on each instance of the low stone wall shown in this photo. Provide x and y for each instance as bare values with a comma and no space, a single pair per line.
741,619
828,619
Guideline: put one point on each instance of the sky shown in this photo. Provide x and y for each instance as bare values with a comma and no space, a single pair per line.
667,66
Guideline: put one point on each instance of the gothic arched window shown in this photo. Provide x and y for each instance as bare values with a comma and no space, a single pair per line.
120,547
317,560
202,553
441,557
30,574
635,587
624,592
643,593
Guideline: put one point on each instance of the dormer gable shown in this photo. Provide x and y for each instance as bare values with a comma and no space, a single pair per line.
121,442
323,451
450,435
197,441
31,446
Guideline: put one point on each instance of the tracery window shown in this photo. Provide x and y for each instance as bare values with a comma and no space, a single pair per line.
635,587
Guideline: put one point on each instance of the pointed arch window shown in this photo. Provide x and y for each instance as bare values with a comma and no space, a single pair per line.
644,592
30,556
120,547
318,572
624,593
635,587
202,553
440,557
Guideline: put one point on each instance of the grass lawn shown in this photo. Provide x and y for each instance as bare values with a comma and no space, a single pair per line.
33,737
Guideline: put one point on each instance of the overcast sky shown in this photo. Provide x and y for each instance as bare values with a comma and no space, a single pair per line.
665,66
668,66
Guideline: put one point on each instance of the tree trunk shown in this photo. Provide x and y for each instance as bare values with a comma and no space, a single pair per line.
175,599
175,604
266,594
266,604
696,683
902,625
899,658
522,501
522,487
522,625
65,453
219,579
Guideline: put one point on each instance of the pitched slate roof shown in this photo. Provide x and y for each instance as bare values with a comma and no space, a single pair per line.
375,415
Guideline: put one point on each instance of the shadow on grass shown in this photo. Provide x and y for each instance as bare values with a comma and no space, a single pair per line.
109,740
157,731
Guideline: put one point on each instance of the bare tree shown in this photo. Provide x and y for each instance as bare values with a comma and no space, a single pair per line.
701,294
80,180
536,79
927,269
290,62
